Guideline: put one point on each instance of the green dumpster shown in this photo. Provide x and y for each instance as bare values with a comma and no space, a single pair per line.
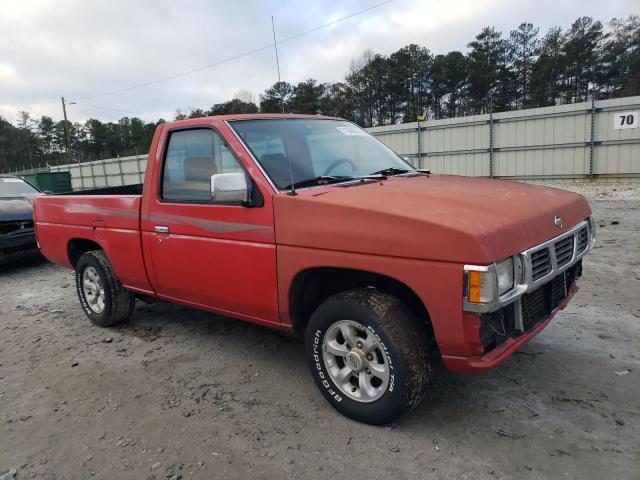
55,182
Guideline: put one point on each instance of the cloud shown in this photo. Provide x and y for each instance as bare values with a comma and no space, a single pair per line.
75,48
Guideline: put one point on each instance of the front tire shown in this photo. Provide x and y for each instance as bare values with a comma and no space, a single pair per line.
369,355
102,297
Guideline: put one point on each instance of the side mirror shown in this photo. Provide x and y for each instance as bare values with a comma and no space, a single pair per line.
229,187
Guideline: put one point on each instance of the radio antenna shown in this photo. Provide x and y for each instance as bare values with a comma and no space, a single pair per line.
275,47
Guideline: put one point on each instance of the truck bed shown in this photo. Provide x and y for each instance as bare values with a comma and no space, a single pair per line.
120,190
110,220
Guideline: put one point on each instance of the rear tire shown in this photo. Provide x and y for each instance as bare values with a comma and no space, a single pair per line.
102,297
369,355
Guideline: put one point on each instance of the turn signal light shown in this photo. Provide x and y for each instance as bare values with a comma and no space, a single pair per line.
475,285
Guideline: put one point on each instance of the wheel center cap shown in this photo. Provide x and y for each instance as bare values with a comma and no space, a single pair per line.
355,360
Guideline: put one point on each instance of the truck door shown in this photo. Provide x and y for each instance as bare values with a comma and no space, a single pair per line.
219,256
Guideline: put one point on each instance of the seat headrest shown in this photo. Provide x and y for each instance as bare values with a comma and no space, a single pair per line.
198,168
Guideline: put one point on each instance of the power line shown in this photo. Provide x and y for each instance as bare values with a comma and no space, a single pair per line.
236,57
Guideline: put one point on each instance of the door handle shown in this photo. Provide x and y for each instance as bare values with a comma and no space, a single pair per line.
161,229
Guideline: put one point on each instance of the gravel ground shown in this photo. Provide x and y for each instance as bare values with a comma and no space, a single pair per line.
181,393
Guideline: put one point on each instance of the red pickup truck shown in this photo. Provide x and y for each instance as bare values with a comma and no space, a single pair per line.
308,224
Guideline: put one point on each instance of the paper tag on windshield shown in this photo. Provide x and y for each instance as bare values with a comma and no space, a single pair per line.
11,180
351,131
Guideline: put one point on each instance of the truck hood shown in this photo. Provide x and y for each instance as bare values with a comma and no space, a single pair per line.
16,207
435,217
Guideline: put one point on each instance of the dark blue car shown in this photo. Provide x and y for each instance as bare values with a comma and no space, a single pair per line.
17,236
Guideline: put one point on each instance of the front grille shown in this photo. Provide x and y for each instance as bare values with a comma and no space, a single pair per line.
535,306
15,227
547,259
564,251
497,326
583,239
558,290
540,263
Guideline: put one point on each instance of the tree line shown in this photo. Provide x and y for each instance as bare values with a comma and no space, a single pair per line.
498,72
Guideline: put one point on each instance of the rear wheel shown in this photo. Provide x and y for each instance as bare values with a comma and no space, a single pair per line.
369,355
102,297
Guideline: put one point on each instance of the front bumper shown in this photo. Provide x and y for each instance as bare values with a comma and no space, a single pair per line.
18,243
502,332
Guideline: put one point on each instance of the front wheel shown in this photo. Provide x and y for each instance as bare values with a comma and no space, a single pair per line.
368,355
102,297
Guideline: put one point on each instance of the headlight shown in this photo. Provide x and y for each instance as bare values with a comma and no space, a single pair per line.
504,274
486,284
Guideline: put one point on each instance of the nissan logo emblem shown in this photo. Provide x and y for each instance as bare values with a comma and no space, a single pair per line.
558,221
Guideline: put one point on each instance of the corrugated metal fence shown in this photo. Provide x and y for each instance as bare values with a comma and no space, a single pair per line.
581,140
112,172
599,139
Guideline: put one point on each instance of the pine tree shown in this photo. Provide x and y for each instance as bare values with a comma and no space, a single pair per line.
339,101
620,68
525,44
276,97
582,55
306,97
410,78
547,70
487,61
449,84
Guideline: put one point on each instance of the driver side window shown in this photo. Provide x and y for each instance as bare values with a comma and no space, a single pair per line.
191,158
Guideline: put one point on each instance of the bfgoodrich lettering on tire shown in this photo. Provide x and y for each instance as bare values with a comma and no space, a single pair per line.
368,355
102,297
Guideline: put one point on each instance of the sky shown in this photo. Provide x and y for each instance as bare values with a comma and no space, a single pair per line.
83,49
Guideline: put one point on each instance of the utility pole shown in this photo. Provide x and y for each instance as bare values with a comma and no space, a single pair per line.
491,133
66,128
593,134
419,118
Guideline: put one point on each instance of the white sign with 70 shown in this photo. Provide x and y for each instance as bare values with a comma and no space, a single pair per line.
622,120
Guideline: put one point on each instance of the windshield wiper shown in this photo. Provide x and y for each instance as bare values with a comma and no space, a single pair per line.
390,171
327,179
321,180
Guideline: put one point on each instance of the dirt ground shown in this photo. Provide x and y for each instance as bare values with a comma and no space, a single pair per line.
177,393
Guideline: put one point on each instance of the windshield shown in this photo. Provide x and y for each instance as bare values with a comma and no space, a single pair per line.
15,186
334,149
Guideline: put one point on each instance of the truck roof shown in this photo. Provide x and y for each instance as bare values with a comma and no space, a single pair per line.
258,116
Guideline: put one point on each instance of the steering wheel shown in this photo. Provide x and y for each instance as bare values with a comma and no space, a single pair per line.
337,162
